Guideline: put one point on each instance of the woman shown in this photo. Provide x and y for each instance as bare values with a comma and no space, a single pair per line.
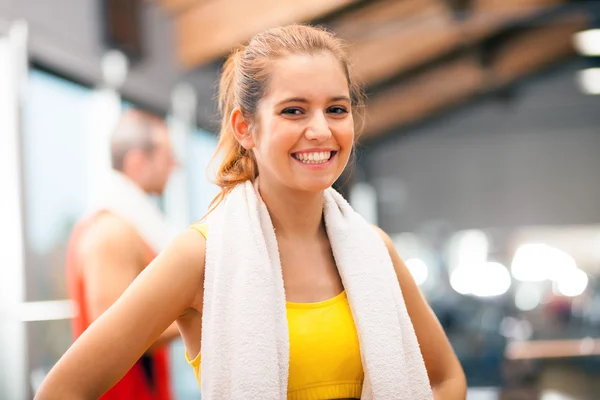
288,101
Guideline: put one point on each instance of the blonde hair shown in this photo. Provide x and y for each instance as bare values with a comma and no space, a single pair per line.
244,82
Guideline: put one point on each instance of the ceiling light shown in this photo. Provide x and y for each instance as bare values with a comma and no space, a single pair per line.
587,43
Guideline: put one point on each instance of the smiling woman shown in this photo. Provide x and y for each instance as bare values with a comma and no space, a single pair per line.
264,89
285,291
303,134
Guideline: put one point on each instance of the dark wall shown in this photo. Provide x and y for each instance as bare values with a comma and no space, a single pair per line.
534,160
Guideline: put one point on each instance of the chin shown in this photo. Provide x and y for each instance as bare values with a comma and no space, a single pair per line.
314,185
159,191
313,179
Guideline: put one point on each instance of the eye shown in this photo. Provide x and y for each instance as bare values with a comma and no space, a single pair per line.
292,111
337,110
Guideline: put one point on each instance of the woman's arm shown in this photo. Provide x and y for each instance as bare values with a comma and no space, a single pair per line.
120,336
443,368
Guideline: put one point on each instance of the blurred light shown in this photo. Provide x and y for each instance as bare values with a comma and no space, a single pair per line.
528,263
466,250
494,280
554,395
408,244
461,280
363,198
513,328
471,272
528,297
418,269
507,326
472,247
114,68
587,42
484,280
587,346
538,262
523,330
572,283
589,80
419,258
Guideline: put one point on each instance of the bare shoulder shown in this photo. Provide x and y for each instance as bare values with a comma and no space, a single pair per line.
108,232
185,258
189,247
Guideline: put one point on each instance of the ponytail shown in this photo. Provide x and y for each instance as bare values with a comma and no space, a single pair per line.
238,164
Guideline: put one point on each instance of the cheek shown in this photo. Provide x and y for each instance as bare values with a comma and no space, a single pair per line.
277,138
344,135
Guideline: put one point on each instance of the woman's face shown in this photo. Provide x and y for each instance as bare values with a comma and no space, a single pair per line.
305,129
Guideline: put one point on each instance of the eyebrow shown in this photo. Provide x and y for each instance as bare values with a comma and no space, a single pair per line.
304,100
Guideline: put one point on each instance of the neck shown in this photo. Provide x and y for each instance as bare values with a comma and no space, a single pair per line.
294,213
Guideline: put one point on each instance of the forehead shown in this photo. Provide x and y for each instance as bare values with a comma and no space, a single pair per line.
311,76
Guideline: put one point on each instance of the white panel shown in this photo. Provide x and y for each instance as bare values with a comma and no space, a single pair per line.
181,126
13,382
103,116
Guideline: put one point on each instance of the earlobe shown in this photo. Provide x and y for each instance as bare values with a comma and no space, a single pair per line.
241,129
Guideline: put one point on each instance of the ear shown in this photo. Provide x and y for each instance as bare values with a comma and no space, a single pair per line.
241,129
134,161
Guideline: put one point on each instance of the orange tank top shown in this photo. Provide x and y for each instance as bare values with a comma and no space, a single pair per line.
148,379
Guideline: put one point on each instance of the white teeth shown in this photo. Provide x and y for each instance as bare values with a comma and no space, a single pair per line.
313,158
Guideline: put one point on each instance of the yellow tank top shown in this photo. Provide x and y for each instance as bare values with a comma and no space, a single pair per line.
325,358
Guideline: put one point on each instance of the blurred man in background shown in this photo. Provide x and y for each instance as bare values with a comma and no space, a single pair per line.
121,235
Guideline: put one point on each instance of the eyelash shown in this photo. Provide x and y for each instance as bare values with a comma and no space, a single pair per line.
292,110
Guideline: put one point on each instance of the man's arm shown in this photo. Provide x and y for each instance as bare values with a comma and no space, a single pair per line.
118,338
113,256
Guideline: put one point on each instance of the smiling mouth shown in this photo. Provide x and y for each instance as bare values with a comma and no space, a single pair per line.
318,157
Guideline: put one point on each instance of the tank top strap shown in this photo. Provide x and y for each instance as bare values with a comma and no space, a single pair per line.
202,228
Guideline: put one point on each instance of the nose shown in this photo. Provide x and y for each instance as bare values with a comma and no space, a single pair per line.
318,128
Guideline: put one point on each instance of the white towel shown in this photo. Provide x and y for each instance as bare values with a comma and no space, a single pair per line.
245,342
121,196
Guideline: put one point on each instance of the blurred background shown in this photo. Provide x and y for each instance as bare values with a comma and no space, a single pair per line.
480,157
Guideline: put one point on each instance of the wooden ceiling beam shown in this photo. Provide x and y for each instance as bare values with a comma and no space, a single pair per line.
212,28
422,96
451,83
390,38
543,45
489,15
178,6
